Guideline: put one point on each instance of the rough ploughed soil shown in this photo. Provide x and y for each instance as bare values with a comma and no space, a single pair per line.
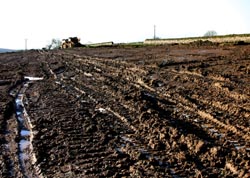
154,111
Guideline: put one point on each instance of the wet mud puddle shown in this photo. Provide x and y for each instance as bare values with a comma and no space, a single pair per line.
26,155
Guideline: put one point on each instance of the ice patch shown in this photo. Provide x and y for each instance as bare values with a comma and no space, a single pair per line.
19,102
19,95
87,74
119,150
185,115
219,135
24,144
233,141
18,114
101,110
149,95
33,78
25,133
126,139
238,147
213,130
23,156
143,150
20,119
25,147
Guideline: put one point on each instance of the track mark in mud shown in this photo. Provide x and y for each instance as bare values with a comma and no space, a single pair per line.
234,95
235,171
123,119
26,155
10,132
218,78
227,127
51,71
143,84
231,108
209,117
109,117
188,73
135,149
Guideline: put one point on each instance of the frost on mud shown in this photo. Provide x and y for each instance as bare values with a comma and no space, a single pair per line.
33,78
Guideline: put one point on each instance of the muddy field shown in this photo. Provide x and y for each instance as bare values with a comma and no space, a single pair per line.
153,111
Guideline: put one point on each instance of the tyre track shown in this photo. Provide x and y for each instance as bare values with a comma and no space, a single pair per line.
123,119
139,117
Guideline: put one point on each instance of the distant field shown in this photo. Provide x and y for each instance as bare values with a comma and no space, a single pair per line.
216,39
2,50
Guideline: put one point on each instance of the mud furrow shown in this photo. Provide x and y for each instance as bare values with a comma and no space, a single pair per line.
26,153
153,111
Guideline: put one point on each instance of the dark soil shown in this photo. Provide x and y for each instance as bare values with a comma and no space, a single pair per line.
152,111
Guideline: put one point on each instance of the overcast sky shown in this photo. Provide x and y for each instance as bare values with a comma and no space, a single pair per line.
117,20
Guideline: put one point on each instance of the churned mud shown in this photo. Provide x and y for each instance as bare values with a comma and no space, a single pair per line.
152,111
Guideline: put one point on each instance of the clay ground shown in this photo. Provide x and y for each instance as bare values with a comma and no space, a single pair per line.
152,111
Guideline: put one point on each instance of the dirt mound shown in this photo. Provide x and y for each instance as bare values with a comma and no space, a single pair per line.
71,42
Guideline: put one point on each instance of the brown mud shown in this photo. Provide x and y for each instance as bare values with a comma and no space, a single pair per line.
152,111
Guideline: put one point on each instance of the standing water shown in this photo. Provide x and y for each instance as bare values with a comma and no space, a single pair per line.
26,155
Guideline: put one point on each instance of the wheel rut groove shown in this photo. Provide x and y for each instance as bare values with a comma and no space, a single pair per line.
152,111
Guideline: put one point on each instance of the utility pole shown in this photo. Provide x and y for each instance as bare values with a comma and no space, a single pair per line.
154,32
26,43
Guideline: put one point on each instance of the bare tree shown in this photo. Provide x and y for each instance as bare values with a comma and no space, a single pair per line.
210,33
55,44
